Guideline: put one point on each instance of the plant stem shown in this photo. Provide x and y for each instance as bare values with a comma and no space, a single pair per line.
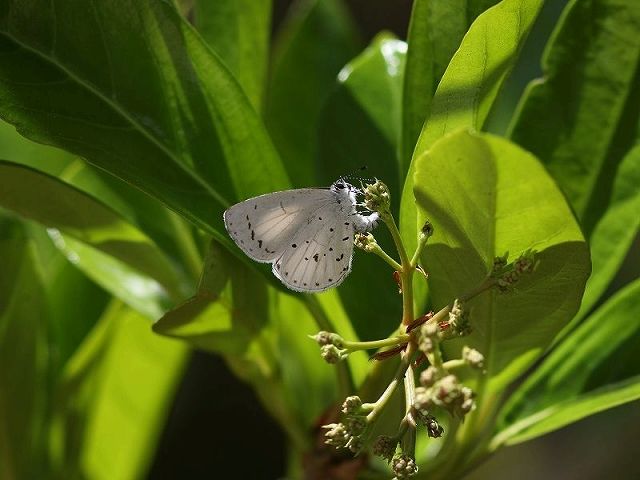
346,385
409,438
387,342
405,363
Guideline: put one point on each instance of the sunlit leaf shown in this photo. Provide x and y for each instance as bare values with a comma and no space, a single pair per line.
581,119
114,397
54,204
435,32
469,86
594,368
485,197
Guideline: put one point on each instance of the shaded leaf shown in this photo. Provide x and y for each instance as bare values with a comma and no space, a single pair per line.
144,99
314,43
581,120
238,31
594,368
359,125
25,357
485,196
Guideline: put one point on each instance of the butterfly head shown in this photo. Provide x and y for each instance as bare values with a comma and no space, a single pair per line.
345,190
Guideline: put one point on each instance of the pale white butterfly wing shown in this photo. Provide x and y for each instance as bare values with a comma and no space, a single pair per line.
319,255
263,226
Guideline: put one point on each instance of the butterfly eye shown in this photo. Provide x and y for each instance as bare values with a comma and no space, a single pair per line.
340,185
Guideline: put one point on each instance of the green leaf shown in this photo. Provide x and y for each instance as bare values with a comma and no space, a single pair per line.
144,99
54,204
165,227
74,302
594,368
435,32
485,196
238,31
140,292
25,357
581,120
227,311
360,122
114,397
469,87
315,42
359,125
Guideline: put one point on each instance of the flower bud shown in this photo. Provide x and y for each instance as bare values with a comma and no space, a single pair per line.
422,400
429,376
377,197
355,444
356,425
385,447
404,466
327,338
332,354
336,435
351,405
366,242
473,357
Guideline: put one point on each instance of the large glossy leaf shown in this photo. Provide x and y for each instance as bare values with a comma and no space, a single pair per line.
435,32
25,357
315,42
594,368
238,31
469,86
360,125
113,399
139,95
485,197
55,204
581,120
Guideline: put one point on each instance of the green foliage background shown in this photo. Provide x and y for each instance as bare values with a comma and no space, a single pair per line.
130,126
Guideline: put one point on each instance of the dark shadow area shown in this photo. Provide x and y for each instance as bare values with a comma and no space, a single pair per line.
217,428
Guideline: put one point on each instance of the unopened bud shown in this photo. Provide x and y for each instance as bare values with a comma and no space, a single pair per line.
332,354
385,447
366,242
473,357
356,425
336,435
351,405
429,376
327,338
377,197
404,466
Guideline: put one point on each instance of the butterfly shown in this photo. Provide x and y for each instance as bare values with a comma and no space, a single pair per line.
306,234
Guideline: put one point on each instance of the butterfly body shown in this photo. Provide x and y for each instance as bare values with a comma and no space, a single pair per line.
306,234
